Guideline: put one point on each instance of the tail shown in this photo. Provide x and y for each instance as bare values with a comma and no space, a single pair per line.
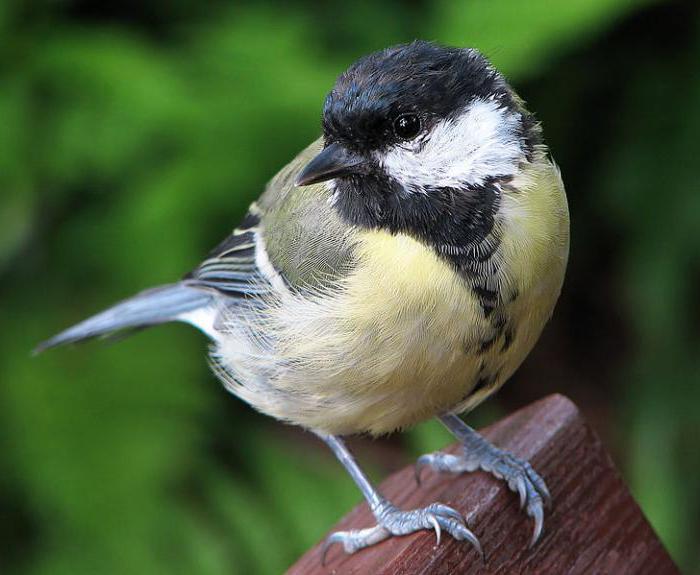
150,307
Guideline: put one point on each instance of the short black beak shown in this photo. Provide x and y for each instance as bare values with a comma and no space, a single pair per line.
334,161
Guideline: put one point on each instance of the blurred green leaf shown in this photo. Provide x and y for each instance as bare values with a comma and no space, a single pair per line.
521,38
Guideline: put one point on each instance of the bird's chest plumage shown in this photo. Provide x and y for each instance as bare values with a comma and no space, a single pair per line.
404,336
438,339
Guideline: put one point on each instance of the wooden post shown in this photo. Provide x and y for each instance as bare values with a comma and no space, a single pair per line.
593,526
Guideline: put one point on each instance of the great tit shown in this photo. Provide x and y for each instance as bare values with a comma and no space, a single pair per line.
399,268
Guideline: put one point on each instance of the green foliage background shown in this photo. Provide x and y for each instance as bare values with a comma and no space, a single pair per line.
133,136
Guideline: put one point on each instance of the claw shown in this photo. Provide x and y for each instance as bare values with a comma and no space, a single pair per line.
328,543
436,525
475,542
461,532
522,491
446,510
518,474
421,463
354,540
547,498
450,519
538,515
416,472
544,492
393,521
469,536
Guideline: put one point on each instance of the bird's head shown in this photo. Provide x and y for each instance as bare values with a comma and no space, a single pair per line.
412,128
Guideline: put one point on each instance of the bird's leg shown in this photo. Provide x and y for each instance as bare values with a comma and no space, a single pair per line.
390,519
480,454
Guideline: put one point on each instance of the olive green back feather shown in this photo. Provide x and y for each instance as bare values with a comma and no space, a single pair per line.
305,239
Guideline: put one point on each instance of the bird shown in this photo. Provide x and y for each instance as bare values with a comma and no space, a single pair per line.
400,268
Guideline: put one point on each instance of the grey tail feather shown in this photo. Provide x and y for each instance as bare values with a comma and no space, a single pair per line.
150,307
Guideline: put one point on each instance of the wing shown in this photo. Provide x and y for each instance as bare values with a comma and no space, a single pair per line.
291,236
290,239
231,267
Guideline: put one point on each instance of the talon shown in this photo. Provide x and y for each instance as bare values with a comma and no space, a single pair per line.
436,525
517,474
421,463
539,484
546,497
469,536
354,540
392,521
327,544
324,553
446,510
522,491
538,515
417,470
475,542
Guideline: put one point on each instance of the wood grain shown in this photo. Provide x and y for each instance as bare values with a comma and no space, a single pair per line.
594,526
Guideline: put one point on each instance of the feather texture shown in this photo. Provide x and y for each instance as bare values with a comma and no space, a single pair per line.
344,330
150,307
394,334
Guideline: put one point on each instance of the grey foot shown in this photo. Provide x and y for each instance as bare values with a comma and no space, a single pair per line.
393,521
517,473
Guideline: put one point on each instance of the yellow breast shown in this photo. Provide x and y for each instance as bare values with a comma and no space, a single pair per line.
424,328
405,337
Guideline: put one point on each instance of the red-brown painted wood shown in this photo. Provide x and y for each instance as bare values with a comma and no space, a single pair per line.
593,526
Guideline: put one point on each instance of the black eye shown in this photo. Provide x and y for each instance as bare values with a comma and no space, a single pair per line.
407,126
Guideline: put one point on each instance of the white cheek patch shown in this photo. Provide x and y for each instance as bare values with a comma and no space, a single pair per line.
482,142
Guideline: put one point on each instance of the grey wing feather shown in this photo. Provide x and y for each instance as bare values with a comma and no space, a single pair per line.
231,268
150,307
228,273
